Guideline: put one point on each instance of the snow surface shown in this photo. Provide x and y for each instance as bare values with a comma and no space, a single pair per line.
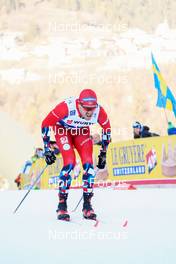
134,227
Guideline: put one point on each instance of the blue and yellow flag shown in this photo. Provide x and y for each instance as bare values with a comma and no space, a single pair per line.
165,97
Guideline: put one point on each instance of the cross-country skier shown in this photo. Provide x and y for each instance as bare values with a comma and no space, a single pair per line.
70,121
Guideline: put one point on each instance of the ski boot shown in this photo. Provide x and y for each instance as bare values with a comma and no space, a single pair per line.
62,213
88,212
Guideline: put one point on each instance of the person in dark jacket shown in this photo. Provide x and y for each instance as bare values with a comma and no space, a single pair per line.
171,129
141,131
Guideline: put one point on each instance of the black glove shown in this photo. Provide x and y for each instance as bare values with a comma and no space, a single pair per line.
102,159
49,157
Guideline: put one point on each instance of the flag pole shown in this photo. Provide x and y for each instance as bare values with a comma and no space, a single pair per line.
164,110
166,115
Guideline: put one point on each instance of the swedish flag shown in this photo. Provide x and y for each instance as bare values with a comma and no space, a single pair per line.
165,97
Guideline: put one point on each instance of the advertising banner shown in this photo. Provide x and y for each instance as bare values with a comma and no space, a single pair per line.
140,160
143,159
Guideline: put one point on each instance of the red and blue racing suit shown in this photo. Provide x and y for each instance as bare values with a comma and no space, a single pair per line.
72,131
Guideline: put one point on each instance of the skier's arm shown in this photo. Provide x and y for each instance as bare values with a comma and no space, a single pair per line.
57,114
104,122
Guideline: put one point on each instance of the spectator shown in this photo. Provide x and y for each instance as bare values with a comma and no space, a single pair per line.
27,166
140,131
24,170
18,181
171,129
38,153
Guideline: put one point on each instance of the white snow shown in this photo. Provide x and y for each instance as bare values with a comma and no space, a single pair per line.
33,235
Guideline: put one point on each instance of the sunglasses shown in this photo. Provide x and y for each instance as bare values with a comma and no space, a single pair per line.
87,109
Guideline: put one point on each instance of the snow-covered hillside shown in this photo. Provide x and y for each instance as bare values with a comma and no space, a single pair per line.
134,227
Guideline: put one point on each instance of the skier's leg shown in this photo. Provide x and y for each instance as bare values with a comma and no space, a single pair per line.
84,146
88,182
65,145
64,185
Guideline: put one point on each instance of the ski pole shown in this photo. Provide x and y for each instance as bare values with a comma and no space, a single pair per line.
36,180
77,204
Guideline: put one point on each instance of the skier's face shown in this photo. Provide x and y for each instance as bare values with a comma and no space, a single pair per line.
86,112
136,131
